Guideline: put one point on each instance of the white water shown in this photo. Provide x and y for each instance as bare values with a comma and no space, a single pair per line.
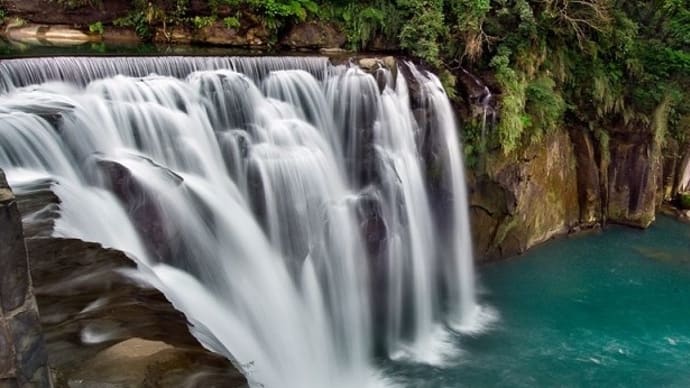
684,183
283,204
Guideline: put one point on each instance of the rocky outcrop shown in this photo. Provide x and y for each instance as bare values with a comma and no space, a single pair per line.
102,326
23,359
314,35
633,178
50,22
525,198
50,35
218,34
57,12
97,320
255,34
573,180
589,182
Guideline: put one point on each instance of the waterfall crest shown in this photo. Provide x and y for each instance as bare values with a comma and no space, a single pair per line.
304,216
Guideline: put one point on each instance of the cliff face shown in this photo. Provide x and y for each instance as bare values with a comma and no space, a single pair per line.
569,182
525,198
54,12
634,174
23,359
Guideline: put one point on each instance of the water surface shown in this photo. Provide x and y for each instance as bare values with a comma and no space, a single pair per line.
602,310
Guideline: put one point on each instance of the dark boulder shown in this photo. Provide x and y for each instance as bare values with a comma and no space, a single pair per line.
314,35
23,359
54,12
632,177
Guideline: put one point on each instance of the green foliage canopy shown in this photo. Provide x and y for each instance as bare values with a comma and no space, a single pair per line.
601,63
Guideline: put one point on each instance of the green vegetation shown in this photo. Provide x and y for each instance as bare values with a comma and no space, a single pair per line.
231,22
203,21
96,28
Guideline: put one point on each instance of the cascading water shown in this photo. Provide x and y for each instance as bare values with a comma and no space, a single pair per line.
684,181
484,100
287,206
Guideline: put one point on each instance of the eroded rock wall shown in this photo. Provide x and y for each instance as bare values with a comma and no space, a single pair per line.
23,359
525,198
102,327
633,178
572,180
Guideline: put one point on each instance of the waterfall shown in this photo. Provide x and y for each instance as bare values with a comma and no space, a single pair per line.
684,181
304,217
485,100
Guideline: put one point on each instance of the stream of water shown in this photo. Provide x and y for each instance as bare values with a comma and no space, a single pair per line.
309,219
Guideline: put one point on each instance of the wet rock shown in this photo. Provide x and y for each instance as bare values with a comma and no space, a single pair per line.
671,161
384,70
683,201
55,12
372,226
146,362
247,35
14,273
525,198
314,35
632,178
375,231
22,350
39,207
381,43
88,304
490,204
7,356
142,208
103,327
29,344
589,186
113,34
680,182
50,35
173,35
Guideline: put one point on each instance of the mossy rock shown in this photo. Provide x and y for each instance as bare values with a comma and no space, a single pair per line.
684,200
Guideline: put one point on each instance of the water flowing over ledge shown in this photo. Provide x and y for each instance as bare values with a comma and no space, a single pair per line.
307,218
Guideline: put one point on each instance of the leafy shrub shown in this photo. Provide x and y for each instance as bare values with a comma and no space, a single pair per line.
423,33
96,28
544,105
231,22
136,19
200,22
512,108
